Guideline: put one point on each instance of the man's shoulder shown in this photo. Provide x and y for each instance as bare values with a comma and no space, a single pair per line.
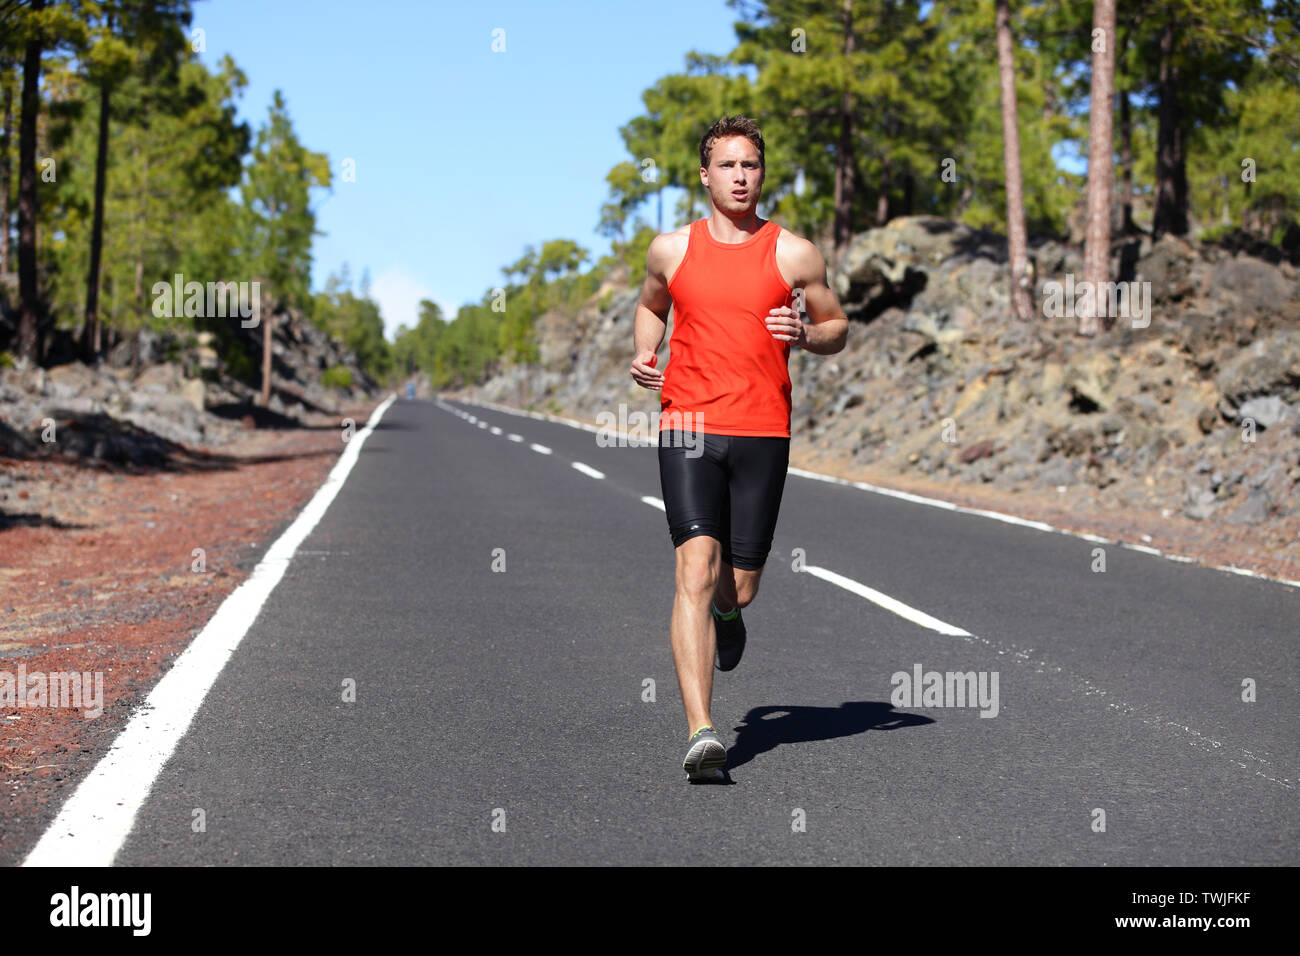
675,238
793,244
668,248
800,260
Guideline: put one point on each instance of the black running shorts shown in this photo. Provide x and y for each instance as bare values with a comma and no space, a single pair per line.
725,486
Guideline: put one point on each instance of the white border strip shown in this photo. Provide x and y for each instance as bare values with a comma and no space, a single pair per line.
931,502
99,816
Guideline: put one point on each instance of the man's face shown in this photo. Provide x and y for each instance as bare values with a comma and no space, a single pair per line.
733,177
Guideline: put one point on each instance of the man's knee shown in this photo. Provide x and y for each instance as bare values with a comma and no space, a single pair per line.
698,563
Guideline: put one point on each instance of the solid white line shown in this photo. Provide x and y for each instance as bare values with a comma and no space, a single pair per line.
654,503
98,817
888,603
540,449
922,500
588,470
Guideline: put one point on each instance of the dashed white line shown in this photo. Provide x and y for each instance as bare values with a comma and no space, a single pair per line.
945,505
884,600
540,449
1081,685
513,437
588,470
495,430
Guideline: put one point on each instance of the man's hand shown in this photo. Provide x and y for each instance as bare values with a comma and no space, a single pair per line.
644,373
784,324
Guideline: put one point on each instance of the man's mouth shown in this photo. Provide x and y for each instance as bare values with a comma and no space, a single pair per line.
740,193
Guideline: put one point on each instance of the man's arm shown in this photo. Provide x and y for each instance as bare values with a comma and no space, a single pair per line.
827,328
651,320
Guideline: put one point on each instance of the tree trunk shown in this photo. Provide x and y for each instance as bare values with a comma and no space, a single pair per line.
1171,158
5,171
1127,226
882,201
89,332
267,319
1096,247
139,309
844,165
1017,239
27,200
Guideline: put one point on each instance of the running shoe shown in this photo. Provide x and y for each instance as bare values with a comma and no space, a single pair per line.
731,639
705,755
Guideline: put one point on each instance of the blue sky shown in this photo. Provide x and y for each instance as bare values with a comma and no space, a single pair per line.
463,156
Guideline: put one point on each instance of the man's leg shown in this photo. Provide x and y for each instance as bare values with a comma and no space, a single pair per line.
695,504
757,469
737,587
699,561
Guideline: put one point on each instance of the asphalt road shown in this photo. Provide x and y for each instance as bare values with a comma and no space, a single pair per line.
500,715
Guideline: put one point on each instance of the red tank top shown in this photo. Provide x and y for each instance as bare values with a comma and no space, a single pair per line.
727,374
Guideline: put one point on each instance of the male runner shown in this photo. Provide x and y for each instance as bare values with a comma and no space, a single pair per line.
731,279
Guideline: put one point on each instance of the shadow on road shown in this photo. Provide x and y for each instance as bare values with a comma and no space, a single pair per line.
766,728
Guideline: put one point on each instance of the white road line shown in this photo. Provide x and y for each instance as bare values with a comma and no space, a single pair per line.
946,505
588,470
885,601
98,817
513,437
654,503
482,424
495,430
540,449
1081,685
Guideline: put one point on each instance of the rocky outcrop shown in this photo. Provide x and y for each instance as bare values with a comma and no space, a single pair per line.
183,395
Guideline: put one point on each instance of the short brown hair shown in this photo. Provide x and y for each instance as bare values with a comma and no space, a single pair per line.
731,126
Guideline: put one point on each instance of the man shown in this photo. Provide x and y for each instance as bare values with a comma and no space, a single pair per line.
731,279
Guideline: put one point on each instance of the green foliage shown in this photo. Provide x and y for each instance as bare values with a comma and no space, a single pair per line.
337,376
544,279
235,358
277,215
451,353
355,321
1249,168
174,151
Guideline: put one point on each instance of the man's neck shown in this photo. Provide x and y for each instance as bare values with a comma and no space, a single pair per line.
725,227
